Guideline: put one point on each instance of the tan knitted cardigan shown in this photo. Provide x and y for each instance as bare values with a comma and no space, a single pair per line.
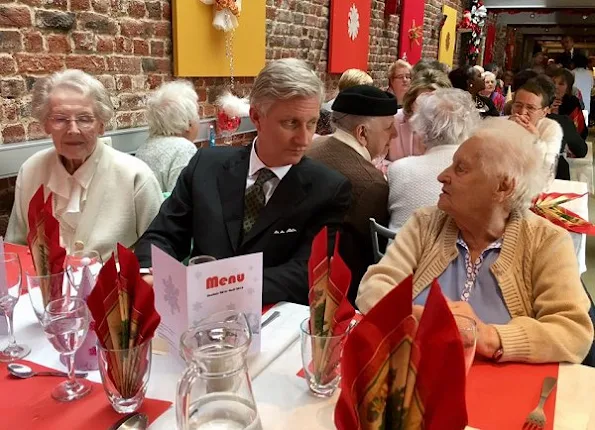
537,272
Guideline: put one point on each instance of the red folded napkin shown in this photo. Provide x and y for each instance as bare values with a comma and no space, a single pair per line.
330,310
397,373
44,243
28,404
548,206
500,396
123,308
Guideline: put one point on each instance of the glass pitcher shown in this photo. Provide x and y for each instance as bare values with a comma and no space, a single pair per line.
215,389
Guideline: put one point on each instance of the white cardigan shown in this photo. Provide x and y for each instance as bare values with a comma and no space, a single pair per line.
413,183
122,200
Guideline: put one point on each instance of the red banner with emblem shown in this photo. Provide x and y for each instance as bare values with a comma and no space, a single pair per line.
411,30
349,36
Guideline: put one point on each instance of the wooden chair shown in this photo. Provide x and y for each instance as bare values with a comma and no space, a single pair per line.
378,230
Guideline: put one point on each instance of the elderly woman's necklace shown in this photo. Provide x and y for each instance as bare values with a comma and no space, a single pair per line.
480,105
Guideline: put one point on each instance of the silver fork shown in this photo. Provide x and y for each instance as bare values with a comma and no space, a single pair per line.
536,419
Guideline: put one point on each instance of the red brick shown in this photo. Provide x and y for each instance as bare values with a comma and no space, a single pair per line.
10,110
131,102
105,44
80,5
157,48
56,4
11,41
123,82
154,81
33,41
88,63
123,119
58,44
124,45
13,133
108,81
83,40
137,9
31,2
166,9
15,16
39,63
35,131
101,6
7,65
124,65
97,23
134,28
141,47
162,29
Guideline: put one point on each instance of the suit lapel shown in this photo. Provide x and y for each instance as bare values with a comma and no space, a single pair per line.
232,186
289,193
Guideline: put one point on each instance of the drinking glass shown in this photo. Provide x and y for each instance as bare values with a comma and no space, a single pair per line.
10,291
45,288
199,259
125,375
65,323
76,262
468,330
321,357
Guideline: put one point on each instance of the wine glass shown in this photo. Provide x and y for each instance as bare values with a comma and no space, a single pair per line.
65,323
10,291
75,265
45,288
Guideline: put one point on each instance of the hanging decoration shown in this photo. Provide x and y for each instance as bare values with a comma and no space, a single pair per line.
416,33
474,20
230,108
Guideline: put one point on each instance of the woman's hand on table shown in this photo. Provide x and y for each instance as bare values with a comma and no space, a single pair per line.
488,339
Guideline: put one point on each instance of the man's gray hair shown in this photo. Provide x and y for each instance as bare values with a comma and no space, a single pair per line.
445,117
76,80
348,122
511,151
171,108
282,80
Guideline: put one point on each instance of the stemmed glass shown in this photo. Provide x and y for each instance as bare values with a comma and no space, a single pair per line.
55,286
10,291
65,323
76,262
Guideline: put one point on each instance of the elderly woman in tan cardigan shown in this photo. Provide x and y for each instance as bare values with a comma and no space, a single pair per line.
512,271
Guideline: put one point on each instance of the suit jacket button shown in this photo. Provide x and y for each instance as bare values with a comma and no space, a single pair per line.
79,245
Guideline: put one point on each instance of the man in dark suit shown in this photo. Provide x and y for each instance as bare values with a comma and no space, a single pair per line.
266,197
364,120
566,58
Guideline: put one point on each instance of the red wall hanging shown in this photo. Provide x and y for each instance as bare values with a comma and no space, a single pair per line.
349,35
411,30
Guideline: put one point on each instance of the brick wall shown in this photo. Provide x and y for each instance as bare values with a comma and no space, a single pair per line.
127,45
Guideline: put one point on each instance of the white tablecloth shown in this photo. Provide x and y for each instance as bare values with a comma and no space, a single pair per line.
284,402
280,334
579,207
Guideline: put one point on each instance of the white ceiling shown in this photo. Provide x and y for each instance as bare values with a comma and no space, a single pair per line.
519,4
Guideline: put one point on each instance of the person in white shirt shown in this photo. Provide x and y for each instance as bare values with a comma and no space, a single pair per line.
445,119
583,80
172,114
529,109
100,196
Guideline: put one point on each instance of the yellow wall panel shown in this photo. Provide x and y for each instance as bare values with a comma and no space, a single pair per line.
448,36
199,49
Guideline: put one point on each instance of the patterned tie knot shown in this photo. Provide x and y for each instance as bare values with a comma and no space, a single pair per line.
264,175
254,199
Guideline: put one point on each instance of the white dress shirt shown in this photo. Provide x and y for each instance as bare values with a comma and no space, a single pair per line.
256,164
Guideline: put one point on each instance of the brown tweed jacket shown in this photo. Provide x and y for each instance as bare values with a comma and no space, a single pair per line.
368,200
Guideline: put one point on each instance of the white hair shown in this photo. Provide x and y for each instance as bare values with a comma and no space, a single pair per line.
348,122
488,75
511,151
76,80
447,116
282,80
171,108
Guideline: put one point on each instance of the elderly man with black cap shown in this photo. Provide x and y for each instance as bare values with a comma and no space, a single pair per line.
363,117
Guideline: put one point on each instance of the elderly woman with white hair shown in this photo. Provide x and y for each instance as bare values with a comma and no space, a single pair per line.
101,196
172,114
514,273
444,119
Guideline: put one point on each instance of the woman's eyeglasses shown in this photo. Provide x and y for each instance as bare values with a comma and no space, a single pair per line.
406,77
59,122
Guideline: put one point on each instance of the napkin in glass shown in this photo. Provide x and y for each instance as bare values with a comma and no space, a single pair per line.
401,374
330,310
123,308
44,243
548,206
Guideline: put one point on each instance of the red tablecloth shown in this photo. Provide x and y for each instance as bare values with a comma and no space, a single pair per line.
500,396
27,404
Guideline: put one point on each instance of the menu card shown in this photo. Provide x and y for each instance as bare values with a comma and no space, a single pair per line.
185,295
